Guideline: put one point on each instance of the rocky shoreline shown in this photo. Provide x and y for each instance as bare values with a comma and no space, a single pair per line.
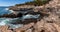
50,21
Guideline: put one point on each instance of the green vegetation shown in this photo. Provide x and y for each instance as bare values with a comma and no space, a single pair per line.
35,2
41,2
26,3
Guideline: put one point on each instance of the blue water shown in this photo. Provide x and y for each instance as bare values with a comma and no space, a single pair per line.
8,21
4,11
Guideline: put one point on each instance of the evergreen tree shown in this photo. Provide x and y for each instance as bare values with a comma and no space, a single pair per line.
41,2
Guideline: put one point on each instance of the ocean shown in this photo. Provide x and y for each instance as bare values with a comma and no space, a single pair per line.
10,21
7,21
3,10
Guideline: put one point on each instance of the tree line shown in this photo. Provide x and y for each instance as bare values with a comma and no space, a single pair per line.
35,2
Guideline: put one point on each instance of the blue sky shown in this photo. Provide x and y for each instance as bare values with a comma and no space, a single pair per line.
11,2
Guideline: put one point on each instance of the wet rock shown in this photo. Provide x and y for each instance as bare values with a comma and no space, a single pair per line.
8,16
21,19
49,23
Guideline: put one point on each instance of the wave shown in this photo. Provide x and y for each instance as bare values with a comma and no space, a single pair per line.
8,21
6,8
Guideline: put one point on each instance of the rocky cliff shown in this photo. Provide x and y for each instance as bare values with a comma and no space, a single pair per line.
48,23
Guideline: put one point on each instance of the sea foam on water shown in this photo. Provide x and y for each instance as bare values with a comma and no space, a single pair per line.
10,21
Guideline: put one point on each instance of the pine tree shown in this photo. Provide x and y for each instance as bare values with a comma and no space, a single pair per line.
41,2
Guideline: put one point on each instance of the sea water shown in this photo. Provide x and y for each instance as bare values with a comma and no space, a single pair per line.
8,21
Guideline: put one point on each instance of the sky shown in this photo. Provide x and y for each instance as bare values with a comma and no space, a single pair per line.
12,2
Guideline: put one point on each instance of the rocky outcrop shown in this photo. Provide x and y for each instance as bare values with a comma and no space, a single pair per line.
19,8
8,16
50,23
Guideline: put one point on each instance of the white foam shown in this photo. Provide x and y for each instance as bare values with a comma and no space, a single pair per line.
6,8
11,11
8,21
30,16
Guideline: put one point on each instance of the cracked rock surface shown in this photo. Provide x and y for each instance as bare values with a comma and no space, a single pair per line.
49,23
